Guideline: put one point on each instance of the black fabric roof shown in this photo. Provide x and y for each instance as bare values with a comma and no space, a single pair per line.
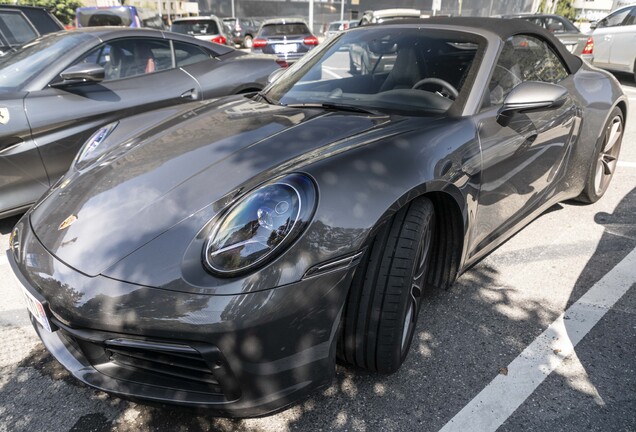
504,28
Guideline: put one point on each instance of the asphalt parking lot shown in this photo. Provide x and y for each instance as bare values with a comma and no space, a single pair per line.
540,335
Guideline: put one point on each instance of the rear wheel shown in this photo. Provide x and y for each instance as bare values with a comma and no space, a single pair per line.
381,310
247,41
603,166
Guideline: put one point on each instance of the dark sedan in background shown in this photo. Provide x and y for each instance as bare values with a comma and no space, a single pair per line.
58,90
288,38
224,254
21,24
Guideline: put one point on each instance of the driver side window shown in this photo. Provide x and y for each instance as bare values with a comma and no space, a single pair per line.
523,58
131,57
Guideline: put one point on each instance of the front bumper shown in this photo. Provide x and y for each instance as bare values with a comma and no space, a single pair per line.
237,355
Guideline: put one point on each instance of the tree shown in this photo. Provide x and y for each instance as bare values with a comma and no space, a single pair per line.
64,10
564,8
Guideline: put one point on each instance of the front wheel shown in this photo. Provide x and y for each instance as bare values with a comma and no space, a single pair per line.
384,300
603,166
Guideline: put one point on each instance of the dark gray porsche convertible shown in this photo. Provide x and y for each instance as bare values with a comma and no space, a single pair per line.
224,254
59,89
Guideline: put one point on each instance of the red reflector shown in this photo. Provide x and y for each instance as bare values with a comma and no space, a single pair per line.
311,40
589,46
219,39
259,43
282,63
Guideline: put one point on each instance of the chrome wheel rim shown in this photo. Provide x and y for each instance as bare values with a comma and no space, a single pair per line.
608,156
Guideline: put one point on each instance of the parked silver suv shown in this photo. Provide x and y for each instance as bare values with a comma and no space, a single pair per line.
614,38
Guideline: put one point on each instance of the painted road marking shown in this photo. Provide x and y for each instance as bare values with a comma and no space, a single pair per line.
495,403
3,260
627,164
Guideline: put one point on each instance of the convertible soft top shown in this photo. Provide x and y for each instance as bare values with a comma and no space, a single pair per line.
504,28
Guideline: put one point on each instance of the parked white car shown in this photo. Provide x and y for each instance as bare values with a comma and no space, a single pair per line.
615,41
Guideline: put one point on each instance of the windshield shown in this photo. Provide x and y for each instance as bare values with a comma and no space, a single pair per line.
116,16
394,69
199,27
16,28
19,67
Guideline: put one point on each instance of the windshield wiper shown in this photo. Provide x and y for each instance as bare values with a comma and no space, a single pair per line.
333,106
266,98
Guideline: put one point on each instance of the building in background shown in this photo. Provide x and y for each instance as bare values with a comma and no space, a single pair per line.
592,10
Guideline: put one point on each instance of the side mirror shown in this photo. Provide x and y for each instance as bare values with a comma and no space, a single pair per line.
531,96
275,75
593,25
91,72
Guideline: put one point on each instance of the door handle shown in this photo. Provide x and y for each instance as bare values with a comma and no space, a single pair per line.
9,143
192,94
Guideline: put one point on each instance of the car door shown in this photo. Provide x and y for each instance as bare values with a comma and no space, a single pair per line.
521,161
140,75
604,36
22,175
623,51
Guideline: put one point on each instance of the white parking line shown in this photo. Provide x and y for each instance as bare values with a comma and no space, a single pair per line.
3,260
495,403
627,164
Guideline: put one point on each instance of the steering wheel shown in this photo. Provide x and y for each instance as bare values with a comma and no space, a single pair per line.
452,91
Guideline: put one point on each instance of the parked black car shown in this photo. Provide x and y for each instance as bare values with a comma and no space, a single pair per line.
288,38
224,254
21,24
59,89
243,30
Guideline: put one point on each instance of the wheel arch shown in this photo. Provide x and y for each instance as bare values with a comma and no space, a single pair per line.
450,232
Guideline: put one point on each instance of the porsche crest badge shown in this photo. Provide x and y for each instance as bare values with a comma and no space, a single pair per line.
4,115
67,222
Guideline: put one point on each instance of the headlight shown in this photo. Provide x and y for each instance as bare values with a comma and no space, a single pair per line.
260,225
93,147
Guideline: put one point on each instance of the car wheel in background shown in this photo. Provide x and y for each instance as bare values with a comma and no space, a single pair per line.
604,164
381,310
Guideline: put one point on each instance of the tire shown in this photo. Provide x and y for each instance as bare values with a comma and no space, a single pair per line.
606,156
247,41
380,313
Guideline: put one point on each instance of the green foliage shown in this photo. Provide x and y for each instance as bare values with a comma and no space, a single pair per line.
564,8
542,7
64,10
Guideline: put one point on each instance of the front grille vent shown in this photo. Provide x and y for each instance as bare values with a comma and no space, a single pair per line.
171,364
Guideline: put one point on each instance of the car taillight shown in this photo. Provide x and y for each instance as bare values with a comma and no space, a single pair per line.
311,40
589,46
219,39
259,43
282,63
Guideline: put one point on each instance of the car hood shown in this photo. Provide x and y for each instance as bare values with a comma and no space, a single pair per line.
196,159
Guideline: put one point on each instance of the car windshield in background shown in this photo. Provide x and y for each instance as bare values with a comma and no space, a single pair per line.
199,27
15,28
17,68
105,17
553,25
411,71
284,29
